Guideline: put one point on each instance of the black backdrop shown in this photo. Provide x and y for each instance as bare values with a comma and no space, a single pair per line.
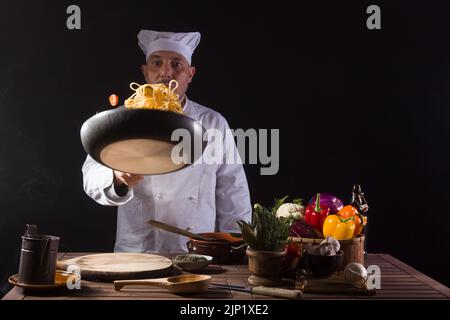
352,105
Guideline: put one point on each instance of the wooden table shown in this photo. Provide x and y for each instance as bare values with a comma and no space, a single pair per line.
398,281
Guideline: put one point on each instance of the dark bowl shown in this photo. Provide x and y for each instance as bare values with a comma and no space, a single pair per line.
323,266
226,250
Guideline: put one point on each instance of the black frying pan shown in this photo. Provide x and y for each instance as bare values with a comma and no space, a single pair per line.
139,140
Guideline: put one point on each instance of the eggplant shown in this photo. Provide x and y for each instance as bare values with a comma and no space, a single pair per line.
328,200
301,229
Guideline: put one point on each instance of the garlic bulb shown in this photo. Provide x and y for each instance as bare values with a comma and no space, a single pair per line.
291,209
356,274
329,247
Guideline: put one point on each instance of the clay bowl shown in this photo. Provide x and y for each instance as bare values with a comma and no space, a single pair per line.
228,249
323,266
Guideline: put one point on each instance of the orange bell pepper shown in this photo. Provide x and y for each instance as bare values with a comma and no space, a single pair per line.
360,221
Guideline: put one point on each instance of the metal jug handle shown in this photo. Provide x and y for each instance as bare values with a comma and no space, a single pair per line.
31,230
45,253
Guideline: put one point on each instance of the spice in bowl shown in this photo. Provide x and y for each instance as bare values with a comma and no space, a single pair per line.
192,262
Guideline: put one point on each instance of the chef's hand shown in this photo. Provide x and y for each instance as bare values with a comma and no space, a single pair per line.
128,179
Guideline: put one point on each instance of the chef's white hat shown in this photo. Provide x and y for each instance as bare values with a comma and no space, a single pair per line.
182,42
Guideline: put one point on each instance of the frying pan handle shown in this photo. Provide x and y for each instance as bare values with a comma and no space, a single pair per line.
162,283
278,292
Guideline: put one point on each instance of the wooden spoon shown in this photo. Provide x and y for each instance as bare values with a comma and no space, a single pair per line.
179,284
179,231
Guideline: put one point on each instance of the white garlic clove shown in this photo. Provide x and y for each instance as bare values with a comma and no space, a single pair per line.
336,245
356,274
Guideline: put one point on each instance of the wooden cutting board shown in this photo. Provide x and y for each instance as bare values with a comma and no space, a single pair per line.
119,266
333,285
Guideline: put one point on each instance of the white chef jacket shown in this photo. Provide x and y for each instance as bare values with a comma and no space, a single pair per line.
200,198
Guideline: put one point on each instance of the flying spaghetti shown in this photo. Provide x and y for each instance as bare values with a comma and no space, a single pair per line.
154,96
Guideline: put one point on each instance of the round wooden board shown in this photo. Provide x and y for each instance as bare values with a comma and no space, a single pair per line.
119,266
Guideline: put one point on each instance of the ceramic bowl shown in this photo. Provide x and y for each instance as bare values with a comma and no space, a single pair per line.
323,266
192,262
61,278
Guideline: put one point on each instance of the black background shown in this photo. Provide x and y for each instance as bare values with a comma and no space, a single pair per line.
353,106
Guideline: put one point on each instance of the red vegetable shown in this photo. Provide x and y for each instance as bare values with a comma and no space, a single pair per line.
328,200
292,250
293,254
113,100
316,214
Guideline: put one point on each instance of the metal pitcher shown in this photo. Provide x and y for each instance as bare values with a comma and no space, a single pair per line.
38,258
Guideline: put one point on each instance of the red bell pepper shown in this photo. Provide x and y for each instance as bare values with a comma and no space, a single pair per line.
315,215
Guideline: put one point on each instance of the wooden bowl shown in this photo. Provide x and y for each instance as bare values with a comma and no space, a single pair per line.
226,250
353,249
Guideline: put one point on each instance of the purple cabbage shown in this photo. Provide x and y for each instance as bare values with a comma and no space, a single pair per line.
328,200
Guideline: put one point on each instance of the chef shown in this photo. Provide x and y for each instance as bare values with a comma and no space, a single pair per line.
200,198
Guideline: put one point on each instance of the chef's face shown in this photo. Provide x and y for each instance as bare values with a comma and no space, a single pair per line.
163,66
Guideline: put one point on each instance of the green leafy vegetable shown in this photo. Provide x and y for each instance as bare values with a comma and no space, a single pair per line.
267,232
278,203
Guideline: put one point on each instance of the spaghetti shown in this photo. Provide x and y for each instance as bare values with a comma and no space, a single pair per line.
154,96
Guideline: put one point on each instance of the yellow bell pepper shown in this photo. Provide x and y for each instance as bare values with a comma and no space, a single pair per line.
338,228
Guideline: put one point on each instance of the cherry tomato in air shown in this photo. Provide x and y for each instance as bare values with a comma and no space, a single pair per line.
113,100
